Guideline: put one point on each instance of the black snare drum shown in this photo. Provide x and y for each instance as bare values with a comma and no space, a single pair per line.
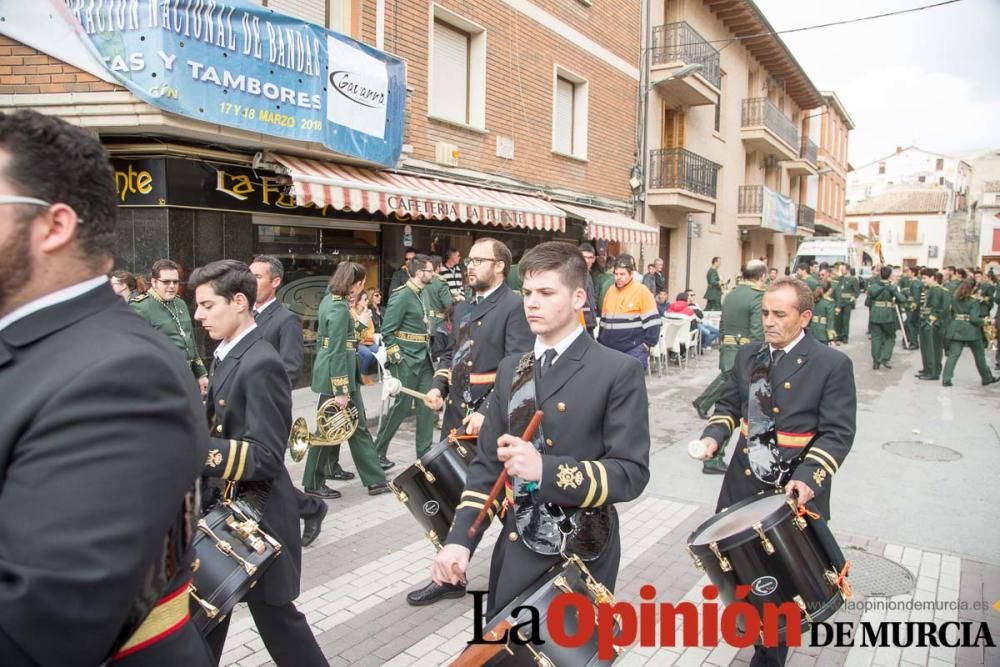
570,576
432,487
762,542
231,555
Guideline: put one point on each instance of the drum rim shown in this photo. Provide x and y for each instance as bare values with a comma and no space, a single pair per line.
747,534
432,454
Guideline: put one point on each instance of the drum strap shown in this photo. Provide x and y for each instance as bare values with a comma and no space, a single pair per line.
545,528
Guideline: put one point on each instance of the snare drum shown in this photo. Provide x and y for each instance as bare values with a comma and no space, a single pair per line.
570,576
763,543
231,555
432,487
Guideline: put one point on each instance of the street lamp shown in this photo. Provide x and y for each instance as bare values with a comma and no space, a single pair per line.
687,70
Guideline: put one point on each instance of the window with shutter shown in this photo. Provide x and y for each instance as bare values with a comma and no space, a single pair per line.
996,240
910,231
450,74
562,129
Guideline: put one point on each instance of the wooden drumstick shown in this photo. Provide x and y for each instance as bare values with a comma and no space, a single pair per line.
529,433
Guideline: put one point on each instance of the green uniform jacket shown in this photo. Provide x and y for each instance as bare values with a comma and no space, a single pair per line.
932,313
811,281
964,320
985,294
850,288
741,322
951,285
916,296
714,290
335,370
822,324
437,298
514,278
882,299
404,327
173,320
602,281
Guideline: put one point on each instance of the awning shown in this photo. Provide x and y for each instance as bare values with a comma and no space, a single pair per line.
356,188
611,226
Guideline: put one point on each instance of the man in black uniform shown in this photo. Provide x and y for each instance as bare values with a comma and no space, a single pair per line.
102,435
592,449
250,413
283,330
812,395
485,330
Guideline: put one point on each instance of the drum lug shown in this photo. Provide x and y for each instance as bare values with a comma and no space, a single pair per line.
210,610
799,521
400,495
427,473
697,561
563,585
540,658
802,606
462,451
246,531
724,563
766,543
435,540
226,548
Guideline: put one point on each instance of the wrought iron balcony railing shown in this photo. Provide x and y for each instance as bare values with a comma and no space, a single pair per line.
760,111
806,217
680,168
809,151
675,42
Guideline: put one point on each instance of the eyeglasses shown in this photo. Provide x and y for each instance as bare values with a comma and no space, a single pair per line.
17,199
168,282
476,261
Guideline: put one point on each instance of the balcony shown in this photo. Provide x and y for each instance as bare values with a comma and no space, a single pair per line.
825,225
806,164
768,130
676,45
806,219
760,207
681,179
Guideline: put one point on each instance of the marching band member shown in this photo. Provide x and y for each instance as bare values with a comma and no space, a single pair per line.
591,451
250,412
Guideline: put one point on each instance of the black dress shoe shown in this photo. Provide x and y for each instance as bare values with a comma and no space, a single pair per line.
921,375
313,525
378,489
946,384
385,463
432,592
325,492
342,475
874,365
930,377
993,381
701,411
886,364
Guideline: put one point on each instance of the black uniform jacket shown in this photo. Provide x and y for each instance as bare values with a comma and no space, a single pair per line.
101,437
283,330
250,413
596,430
497,328
812,391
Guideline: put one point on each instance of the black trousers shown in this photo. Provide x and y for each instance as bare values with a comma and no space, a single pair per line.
769,657
286,634
308,505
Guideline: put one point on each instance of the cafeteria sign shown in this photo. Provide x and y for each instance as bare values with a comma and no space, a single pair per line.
235,63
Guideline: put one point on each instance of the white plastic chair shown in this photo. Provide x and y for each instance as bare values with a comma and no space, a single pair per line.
712,318
673,333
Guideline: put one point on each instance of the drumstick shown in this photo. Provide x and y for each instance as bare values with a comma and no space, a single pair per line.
413,392
528,434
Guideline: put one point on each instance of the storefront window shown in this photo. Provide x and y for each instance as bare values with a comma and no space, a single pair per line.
310,255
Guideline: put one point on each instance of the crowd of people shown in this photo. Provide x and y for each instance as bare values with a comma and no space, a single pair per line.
119,439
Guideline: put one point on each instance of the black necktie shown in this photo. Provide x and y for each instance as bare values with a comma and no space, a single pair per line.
215,364
776,356
547,358
256,314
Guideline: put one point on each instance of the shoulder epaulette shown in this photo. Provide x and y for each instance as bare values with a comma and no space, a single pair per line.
398,288
758,289
140,297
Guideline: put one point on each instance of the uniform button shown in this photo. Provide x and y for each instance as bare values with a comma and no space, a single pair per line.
218,429
788,385
775,410
472,342
512,537
222,402
747,472
746,450
449,402
479,323
561,407
469,364
461,405
548,442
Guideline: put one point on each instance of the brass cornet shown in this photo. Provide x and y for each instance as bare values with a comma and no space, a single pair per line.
334,426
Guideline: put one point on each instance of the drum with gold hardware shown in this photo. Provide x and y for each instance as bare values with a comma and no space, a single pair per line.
231,555
432,487
569,576
781,554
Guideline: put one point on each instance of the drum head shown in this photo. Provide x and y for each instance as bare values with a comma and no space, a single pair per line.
740,518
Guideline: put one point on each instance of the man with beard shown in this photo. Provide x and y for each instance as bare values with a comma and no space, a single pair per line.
169,315
407,346
103,433
485,329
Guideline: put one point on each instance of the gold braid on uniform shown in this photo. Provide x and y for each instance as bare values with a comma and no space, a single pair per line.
724,420
476,501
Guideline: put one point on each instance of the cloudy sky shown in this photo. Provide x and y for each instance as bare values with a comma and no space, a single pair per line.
928,78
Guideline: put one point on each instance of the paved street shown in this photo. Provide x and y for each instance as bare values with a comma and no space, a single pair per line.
917,488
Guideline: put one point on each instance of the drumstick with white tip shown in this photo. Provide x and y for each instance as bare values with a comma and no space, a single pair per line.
391,387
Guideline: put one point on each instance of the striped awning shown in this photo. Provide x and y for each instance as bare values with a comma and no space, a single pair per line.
343,186
611,226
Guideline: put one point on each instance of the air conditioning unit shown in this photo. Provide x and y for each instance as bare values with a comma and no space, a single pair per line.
505,147
445,153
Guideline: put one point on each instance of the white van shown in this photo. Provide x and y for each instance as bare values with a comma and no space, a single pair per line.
827,249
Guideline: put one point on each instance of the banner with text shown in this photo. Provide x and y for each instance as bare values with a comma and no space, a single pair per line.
235,63
778,212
